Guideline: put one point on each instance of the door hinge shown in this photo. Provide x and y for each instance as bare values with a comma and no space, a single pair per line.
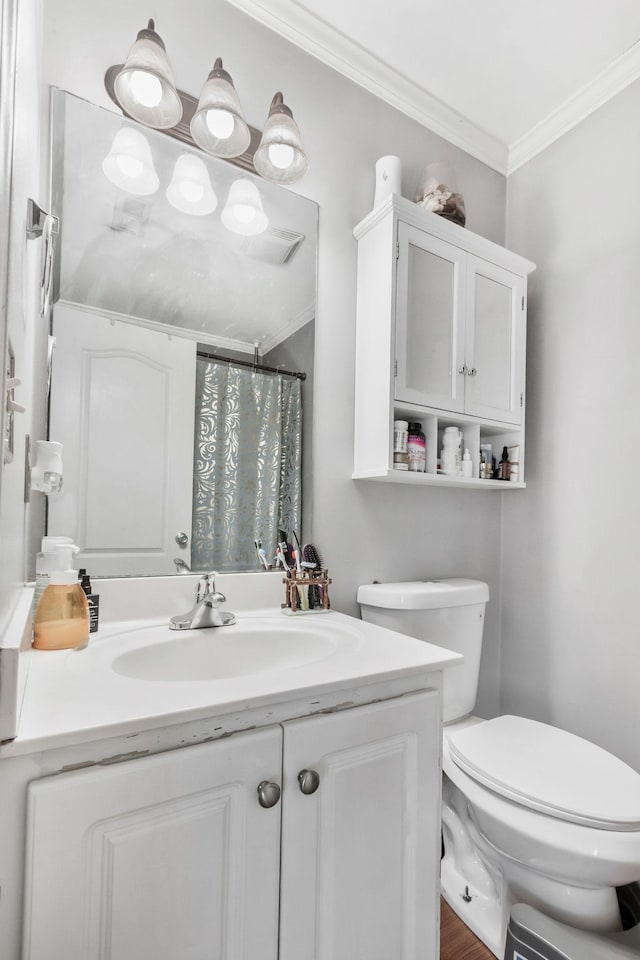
523,302
395,368
397,249
521,400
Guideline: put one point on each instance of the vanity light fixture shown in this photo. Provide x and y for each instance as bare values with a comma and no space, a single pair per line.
217,125
243,212
129,164
190,189
145,87
280,156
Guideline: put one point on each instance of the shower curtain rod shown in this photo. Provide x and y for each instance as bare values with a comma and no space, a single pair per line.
297,375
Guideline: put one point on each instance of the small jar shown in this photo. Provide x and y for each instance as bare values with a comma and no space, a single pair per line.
400,428
451,451
400,461
416,448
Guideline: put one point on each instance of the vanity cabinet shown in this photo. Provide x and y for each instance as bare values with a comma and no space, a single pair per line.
440,338
174,856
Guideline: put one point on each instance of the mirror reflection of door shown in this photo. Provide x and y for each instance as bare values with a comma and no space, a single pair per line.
122,404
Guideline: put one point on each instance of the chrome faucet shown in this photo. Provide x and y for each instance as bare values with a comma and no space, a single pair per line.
206,610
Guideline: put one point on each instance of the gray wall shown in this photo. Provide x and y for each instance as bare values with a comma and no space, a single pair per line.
571,566
365,531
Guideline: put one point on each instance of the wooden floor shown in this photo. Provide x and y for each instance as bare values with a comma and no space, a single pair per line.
456,940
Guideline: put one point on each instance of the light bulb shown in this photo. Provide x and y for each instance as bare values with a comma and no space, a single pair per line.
146,88
281,155
244,213
191,191
220,123
130,166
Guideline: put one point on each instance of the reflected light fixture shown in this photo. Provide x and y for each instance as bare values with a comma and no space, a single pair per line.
129,164
217,125
145,87
190,189
243,212
280,156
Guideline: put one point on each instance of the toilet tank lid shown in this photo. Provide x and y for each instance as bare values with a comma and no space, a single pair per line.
424,594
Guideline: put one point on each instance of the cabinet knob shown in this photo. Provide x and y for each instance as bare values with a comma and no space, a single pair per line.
471,372
462,369
268,793
182,539
309,781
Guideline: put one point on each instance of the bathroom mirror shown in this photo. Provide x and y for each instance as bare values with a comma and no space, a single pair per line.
182,372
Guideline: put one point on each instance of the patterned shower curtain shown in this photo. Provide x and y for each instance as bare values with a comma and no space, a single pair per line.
247,481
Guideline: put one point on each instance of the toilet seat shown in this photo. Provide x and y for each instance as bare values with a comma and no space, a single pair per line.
549,770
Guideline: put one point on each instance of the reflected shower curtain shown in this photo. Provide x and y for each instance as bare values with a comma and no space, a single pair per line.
247,480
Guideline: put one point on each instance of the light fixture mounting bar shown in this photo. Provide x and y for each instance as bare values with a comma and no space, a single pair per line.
181,131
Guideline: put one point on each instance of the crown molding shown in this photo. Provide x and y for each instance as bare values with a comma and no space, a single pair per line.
322,41
325,43
606,85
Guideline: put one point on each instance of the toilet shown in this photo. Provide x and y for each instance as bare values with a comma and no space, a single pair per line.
530,813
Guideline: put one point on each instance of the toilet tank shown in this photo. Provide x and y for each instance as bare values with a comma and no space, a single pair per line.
448,613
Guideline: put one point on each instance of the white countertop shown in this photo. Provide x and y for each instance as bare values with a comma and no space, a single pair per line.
73,696
76,696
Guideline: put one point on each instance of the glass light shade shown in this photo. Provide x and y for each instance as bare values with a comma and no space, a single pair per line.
190,188
145,87
280,156
243,212
129,164
217,125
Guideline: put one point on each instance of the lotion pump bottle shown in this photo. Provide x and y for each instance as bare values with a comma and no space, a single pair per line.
62,615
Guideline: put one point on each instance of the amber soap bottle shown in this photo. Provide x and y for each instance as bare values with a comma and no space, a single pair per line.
62,615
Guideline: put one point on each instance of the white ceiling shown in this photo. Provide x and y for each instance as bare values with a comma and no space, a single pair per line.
500,78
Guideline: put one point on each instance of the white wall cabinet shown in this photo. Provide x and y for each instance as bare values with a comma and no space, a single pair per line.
441,330
174,856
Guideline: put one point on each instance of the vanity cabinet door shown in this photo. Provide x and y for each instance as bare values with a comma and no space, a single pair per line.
361,848
495,342
430,306
158,858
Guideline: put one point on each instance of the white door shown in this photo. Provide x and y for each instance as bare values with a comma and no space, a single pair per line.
169,857
123,405
361,852
430,313
495,350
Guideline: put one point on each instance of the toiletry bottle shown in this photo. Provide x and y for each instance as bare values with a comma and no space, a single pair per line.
416,448
450,451
62,617
504,471
467,464
483,465
93,600
56,553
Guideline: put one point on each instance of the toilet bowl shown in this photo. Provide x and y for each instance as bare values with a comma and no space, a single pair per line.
530,813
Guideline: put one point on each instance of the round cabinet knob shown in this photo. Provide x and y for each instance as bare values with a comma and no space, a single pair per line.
182,539
309,781
472,372
268,793
463,369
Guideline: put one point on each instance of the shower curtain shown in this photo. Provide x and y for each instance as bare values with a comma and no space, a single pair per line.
247,480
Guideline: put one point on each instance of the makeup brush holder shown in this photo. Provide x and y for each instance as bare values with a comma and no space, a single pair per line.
307,591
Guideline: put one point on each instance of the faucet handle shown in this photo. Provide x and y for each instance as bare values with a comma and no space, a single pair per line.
206,586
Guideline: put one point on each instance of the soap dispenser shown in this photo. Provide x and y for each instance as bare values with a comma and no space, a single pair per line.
62,615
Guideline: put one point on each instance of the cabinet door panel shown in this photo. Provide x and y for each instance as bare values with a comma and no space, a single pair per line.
495,342
360,856
154,859
429,321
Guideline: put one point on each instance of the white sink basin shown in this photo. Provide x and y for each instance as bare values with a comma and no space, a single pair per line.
247,647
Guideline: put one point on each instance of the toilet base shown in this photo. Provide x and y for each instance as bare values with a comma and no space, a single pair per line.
481,884
482,913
